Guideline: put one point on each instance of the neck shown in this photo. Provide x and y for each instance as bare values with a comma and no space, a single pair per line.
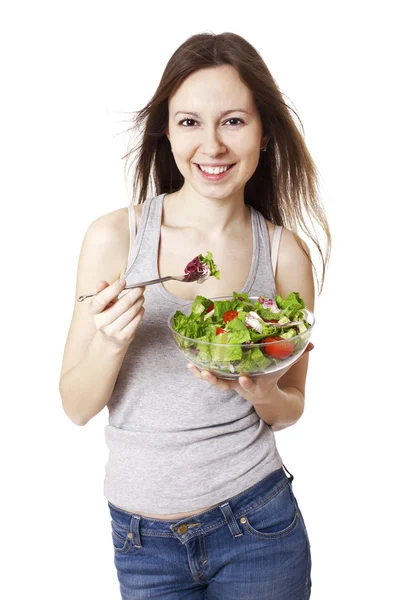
187,208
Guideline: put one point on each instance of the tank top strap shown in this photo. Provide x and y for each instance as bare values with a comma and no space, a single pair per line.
147,234
132,231
275,247
264,282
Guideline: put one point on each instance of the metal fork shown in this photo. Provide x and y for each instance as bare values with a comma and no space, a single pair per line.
151,282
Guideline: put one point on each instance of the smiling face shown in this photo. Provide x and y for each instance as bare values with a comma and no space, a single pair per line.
222,128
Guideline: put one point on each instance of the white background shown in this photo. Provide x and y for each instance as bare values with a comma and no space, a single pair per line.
71,72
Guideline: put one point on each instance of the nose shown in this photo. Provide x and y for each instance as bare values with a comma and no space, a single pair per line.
212,144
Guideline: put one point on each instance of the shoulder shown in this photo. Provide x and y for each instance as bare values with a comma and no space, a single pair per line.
294,271
108,228
109,234
104,230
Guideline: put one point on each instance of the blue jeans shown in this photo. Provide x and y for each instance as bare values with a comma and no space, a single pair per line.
253,546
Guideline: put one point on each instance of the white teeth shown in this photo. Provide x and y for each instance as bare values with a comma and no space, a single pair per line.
214,170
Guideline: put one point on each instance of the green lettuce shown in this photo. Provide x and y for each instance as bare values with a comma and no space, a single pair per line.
208,259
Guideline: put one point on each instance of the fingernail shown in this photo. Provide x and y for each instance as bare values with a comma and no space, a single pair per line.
122,282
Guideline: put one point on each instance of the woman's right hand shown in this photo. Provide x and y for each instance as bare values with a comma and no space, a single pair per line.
117,318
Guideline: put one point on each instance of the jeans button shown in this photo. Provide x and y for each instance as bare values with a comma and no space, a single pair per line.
182,529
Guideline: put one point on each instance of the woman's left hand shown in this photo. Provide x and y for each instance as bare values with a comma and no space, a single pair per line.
254,390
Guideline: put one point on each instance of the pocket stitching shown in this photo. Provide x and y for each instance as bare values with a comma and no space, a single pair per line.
119,537
126,541
273,535
125,547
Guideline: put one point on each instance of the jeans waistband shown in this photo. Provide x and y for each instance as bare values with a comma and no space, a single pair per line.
227,512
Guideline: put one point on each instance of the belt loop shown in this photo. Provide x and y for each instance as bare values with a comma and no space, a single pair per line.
230,519
135,533
291,476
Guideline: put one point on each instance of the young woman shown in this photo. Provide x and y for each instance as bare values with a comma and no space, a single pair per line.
201,506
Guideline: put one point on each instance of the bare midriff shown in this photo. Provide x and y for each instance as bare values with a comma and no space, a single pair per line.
172,517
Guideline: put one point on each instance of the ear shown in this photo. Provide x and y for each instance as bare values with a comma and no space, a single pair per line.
264,140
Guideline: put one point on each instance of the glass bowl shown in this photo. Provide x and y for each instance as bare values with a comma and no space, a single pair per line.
266,357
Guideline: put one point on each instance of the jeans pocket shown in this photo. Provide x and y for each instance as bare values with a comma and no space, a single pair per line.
121,536
274,519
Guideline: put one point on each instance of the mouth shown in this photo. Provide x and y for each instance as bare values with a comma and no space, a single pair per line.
229,166
214,176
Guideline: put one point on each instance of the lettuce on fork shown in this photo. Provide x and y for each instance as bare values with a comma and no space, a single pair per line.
201,264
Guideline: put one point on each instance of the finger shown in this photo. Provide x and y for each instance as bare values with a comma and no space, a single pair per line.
220,384
209,377
197,372
105,296
192,369
246,383
121,313
101,285
122,303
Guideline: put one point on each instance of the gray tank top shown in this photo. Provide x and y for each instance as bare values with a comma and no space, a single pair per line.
176,443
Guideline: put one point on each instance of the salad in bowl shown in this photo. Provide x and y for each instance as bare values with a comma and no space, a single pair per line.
242,335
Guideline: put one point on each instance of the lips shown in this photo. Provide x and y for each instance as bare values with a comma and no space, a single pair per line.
230,166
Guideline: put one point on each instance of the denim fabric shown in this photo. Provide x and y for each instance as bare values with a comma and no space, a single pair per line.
253,546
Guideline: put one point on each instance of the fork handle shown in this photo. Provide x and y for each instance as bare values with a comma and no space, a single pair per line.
151,282
135,285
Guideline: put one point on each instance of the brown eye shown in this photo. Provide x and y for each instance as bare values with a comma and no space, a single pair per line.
187,120
236,119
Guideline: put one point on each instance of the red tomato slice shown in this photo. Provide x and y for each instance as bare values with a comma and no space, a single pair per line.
280,351
229,315
210,309
219,330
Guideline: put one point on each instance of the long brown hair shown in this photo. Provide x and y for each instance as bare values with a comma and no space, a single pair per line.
284,186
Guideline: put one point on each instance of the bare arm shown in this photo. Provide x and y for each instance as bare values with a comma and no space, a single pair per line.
86,388
102,328
285,408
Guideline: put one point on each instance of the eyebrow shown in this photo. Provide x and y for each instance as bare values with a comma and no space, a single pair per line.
226,112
